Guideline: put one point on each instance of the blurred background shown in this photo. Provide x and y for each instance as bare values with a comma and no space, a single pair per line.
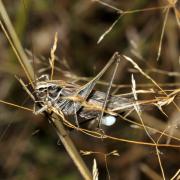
29,146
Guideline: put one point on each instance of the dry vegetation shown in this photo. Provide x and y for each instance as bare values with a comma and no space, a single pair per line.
72,42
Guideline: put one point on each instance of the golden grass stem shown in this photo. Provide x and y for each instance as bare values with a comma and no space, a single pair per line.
15,105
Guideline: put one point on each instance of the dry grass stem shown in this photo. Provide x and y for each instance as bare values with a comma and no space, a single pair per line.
52,58
95,170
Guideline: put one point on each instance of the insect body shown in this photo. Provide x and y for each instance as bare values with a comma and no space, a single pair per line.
70,98
67,98
82,103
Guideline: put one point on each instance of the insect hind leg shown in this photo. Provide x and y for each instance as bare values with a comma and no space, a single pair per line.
85,90
108,91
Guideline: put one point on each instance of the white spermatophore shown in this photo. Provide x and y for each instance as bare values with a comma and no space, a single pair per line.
108,120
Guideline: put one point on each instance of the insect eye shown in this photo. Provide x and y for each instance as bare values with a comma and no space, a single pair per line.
41,89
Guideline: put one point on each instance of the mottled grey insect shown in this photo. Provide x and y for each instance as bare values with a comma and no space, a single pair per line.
82,103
